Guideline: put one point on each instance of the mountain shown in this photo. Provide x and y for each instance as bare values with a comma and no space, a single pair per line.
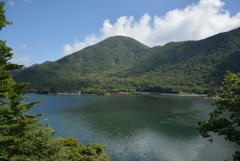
110,55
36,64
124,64
46,62
197,65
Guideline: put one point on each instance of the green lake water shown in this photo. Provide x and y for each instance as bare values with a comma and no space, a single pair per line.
136,127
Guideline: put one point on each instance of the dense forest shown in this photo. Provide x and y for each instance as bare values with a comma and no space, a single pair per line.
122,64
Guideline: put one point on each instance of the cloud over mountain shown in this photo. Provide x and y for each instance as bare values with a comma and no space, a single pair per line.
194,22
20,60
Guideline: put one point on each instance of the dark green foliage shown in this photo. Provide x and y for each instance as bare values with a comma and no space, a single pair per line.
76,151
36,143
3,20
225,119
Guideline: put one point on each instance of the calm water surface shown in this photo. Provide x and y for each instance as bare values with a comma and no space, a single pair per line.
136,127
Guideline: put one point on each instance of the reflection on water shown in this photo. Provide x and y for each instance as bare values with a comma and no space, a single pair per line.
151,127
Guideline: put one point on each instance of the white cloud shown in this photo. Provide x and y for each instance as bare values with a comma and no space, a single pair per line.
195,22
23,46
90,40
11,2
20,60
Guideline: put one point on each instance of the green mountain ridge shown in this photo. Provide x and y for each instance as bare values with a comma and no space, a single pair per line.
124,64
36,64
197,65
112,53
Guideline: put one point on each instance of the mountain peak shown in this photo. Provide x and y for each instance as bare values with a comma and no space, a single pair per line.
110,54
122,40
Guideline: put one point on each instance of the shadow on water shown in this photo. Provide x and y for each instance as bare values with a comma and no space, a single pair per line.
126,115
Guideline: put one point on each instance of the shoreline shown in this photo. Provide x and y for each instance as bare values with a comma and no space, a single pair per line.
71,94
135,93
185,94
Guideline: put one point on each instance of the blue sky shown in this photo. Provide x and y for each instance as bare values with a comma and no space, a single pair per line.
47,30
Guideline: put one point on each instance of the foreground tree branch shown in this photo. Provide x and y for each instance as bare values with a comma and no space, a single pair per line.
225,119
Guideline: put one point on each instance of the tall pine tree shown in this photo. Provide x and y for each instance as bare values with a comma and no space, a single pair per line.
22,137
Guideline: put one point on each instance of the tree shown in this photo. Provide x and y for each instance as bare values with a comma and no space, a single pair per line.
76,151
225,119
22,136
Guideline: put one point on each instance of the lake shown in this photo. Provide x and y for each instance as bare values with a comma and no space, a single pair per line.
136,127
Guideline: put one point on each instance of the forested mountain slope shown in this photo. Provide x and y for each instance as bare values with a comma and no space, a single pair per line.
191,65
110,55
123,64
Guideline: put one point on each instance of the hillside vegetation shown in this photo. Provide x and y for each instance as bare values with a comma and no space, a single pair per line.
124,64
